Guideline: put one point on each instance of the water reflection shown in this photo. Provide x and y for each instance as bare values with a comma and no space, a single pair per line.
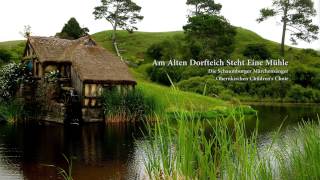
34,151
272,116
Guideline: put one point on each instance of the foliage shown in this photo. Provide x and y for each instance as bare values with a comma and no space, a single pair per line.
224,149
195,149
170,99
305,76
5,56
131,105
72,30
209,37
12,110
11,75
301,161
52,76
119,13
257,51
204,7
303,64
14,48
66,175
166,50
161,74
202,85
296,17
299,94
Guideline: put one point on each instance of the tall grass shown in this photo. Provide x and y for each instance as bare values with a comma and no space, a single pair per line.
12,110
128,106
299,154
195,149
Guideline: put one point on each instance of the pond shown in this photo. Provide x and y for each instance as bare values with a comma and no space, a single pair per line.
34,151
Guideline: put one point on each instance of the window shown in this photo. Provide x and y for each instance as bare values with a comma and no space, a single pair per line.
92,93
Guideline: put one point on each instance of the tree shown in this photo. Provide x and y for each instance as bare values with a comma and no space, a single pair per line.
204,7
26,31
209,36
296,17
72,30
119,13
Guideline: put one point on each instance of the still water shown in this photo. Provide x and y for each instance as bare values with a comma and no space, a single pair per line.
34,151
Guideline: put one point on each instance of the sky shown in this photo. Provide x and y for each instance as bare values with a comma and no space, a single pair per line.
47,17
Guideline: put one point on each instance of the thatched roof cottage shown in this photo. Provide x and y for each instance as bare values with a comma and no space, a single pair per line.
87,66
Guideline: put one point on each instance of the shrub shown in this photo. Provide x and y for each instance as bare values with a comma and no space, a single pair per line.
12,110
304,76
10,76
298,93
202,85
5,56
165,50
311,52
257,51
160,74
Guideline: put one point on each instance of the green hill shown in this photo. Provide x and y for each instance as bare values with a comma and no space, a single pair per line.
136,44
133,47
14,47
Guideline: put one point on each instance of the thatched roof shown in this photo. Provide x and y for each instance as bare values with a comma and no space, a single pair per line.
90,61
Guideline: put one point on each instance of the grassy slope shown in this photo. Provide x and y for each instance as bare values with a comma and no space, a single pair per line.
136,44
173,100
15,47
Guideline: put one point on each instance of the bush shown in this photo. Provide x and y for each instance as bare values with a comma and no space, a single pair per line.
131,105
202,85
165,50
11,75
304,76
257,51
160,74
311,52
5,56
298,93
12,110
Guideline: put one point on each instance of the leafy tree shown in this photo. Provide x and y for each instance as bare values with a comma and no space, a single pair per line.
296,17
204,7
119,13
209,36
72,30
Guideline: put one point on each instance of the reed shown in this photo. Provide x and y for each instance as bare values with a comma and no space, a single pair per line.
128,106
12,110
66,174
222,149
299,154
